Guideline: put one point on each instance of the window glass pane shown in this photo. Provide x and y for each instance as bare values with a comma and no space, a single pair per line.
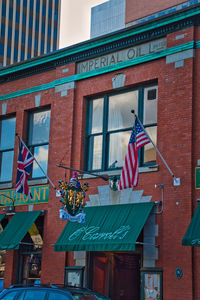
95,152
6,165
7,133
150,105
149,150
2,266
32,295
120,107
121,139
97,115
39,129
41,155
31,268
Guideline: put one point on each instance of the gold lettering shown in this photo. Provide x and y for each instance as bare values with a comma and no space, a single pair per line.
7,199
44,192
2,199
36,194
13,195
23,198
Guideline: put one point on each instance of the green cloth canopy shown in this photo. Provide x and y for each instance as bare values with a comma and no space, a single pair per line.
107,228
16,229
192,235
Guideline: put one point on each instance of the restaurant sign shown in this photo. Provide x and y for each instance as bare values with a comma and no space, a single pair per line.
40,195
95,233
121,56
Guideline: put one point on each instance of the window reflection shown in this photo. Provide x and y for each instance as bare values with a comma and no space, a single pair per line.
97,116
95,152
110,124
7,133
39,127
118,153
38,140
150,106
2,268
41,155
120,106
31,268
149,150
7,139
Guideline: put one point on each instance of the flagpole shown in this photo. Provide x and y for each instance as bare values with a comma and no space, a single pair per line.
36,161
104,177
176,180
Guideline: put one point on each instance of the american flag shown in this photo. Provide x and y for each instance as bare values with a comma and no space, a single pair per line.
24,167
129,174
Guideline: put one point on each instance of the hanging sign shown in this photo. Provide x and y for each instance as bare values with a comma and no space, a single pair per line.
73,199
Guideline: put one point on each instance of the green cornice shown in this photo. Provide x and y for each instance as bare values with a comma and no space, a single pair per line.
91,44
118,66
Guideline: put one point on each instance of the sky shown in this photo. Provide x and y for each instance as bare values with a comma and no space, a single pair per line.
75,21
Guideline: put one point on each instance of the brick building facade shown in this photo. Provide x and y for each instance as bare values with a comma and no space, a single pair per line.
83,96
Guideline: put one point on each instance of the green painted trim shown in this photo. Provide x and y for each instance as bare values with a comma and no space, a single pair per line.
121,65
92,44
197,45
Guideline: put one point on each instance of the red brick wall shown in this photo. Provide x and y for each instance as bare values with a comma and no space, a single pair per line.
175,92
139,9
178,91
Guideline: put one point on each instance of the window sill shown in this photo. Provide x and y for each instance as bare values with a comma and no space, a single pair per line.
6,185
110,173
37,181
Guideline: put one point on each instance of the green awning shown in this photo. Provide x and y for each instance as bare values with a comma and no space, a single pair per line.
16,229
107,228
192,235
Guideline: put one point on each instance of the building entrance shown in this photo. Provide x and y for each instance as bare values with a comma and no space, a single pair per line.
116,275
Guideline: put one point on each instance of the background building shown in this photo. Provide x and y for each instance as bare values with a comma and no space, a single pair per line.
28,28
117,14
107,17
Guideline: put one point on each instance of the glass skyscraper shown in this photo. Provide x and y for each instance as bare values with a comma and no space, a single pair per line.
28,28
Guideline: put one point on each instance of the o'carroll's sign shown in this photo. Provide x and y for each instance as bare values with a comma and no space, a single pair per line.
95,233
40,195
121,56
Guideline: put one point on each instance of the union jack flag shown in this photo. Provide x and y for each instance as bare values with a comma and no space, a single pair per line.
130,170
24,167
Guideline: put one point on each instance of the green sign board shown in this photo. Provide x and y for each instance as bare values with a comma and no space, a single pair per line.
40,195
197,178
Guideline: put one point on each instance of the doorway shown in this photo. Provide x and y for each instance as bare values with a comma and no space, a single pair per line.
115,274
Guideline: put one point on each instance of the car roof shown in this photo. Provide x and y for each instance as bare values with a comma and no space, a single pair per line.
46,287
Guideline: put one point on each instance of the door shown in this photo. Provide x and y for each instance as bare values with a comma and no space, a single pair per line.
126,281
116,275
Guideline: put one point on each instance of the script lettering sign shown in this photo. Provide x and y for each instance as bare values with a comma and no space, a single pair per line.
91,233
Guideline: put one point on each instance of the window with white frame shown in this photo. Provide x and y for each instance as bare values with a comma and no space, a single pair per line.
109,126
7,140
38,140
